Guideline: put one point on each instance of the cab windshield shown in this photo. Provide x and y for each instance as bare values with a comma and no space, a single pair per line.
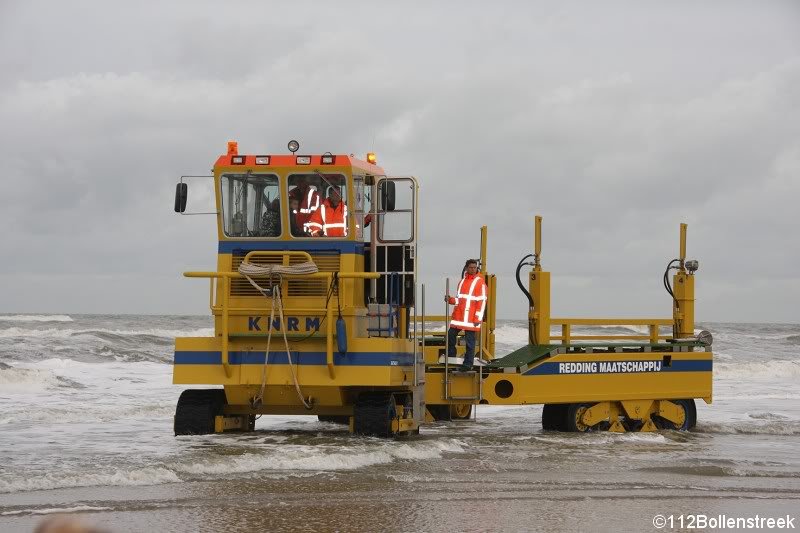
251,205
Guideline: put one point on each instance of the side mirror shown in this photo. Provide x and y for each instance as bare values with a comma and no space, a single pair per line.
387,195
181,193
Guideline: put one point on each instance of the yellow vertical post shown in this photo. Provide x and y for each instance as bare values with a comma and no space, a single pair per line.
484,337
329,337
565,333
484,232
539,287
401,322
682,255
226,286
683,287
653,333
491,316
537,243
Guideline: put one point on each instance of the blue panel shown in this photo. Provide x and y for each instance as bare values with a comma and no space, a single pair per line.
618,367
298,358
321,245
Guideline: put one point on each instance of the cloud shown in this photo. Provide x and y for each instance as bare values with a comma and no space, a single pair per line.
614,133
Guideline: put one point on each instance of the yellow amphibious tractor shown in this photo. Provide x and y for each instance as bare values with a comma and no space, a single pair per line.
317,310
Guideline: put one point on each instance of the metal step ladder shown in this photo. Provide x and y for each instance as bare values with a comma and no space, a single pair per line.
477,387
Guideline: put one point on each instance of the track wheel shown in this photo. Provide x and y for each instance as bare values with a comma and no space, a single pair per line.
373,414
196,411
335,419
572,420
689,420
460,411
553,416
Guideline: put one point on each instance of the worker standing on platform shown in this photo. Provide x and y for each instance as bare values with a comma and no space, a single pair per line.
470,304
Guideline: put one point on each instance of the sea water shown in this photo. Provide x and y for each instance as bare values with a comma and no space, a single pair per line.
86,405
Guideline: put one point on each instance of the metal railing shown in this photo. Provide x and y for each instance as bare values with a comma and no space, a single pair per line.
224,308
653,327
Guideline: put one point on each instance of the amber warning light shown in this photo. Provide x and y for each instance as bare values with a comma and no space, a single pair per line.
233,148
371,158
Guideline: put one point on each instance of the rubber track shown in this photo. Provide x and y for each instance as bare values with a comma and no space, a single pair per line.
373,414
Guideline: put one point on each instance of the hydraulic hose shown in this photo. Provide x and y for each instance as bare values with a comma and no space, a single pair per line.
667,284
531,303
519,282
668,287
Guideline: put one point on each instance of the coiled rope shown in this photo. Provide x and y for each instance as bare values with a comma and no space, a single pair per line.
274,273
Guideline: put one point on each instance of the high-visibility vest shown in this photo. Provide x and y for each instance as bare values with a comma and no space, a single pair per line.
309,203
470,303
329,221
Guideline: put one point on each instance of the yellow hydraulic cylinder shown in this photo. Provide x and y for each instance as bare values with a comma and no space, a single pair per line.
539,287
683,287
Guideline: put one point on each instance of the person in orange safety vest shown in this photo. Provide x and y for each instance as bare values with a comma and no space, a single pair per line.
309,202
470,304
330,220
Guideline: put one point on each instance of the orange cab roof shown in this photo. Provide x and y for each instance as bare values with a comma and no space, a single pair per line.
274,161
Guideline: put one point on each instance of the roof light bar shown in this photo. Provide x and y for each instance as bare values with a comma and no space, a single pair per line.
328,158
237,160
303,159
262,160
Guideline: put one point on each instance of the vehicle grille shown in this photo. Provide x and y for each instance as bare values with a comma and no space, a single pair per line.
326,262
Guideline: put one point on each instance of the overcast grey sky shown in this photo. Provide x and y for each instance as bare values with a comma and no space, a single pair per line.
615,121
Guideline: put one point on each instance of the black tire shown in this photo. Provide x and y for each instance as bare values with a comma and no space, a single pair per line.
197,409
689,420
335,419
573,413
373,414
439,412
553,416
692,413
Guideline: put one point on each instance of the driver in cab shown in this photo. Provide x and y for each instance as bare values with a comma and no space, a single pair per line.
330,220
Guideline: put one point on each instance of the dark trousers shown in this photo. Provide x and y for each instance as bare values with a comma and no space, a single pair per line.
469,336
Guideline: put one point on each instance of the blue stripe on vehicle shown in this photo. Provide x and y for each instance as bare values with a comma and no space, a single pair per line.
321,245
677,365
299,358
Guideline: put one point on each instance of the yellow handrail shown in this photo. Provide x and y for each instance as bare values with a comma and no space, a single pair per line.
225,308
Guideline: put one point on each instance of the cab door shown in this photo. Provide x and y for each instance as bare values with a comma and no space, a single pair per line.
394,238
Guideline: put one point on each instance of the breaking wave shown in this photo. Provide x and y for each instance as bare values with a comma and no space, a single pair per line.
27,379
119,477
59,510
280,459
36,318
759,369
720,471
756,427
104,334
320,459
